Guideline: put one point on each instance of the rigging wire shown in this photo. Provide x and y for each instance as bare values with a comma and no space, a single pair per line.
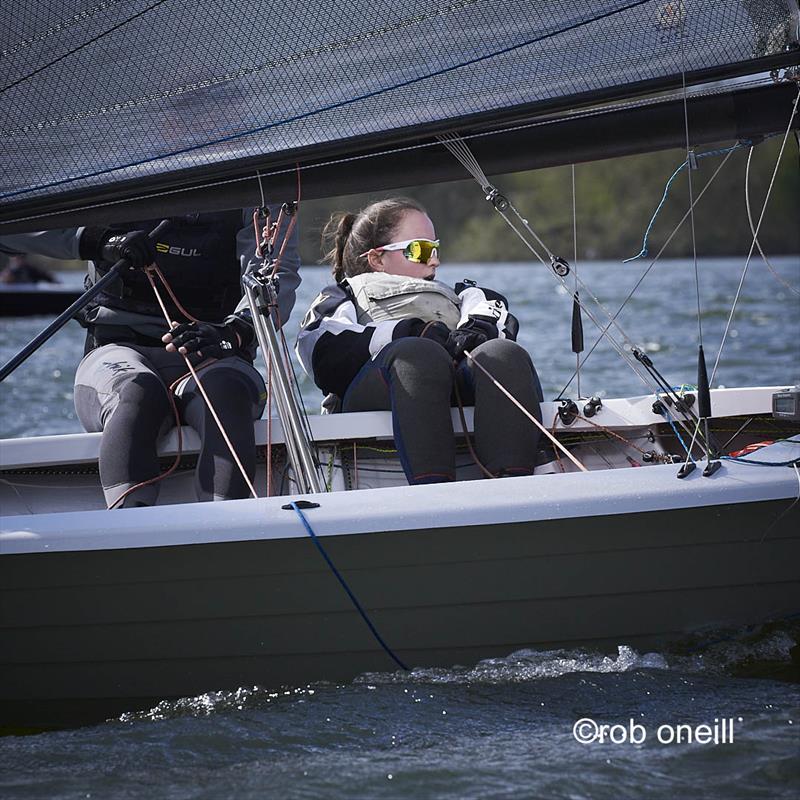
650,266
755,237
575,270
460,150
692,165
772,269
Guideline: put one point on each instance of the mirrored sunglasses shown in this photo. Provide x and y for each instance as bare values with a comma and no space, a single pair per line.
420,251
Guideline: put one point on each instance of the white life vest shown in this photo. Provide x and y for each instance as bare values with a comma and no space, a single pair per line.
379,296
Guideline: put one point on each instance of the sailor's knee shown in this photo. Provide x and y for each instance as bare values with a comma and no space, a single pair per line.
144,388
235,390
421,354
503,350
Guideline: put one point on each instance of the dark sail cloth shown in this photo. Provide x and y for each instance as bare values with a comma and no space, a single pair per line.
121,385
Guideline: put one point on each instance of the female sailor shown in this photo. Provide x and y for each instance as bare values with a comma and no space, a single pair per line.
388,336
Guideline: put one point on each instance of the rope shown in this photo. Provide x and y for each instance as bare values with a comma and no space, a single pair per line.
466,433
200,386
687,450
314,538
150,481
525,411
755,238
644,251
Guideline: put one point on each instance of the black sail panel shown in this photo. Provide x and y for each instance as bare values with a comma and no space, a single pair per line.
102,101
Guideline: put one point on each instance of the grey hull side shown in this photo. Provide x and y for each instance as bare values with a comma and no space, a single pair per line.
89,634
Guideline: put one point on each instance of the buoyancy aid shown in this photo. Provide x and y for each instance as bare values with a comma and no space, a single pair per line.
197,254
379,296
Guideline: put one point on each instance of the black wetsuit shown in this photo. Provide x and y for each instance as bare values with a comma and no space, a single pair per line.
121,385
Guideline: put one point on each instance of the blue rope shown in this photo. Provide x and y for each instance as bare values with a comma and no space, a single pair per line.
350,594
744,460
795,462
643,252
332,106
673,426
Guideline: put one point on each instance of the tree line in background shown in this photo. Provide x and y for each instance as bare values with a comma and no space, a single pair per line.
614,201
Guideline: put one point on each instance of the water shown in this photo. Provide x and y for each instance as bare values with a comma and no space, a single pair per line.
762,346
504,727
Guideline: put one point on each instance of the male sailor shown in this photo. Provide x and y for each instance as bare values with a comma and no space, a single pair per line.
133,383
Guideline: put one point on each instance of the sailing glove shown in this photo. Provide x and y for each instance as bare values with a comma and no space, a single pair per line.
104,244
136,247
204,339
472,333
437,331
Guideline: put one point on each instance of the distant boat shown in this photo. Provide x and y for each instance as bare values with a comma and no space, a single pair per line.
30,299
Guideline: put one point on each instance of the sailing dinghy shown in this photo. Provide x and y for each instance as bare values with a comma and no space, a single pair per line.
636,528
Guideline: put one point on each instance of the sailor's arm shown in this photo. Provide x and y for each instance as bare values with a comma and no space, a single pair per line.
63,243
333,346
85,243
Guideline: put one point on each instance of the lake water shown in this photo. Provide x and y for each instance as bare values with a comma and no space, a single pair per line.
761,349
502,728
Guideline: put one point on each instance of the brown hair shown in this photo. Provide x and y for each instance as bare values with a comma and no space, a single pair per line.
349,235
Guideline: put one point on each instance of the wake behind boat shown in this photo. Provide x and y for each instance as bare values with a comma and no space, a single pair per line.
648,516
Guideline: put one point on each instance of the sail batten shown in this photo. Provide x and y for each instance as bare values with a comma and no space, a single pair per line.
106,100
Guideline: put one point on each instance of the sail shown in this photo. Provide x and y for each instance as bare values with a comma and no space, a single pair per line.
121,107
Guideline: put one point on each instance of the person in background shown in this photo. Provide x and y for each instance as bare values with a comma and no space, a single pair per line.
20,270
387,335
133,366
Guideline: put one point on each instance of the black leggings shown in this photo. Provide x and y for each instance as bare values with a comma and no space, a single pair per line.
122,391
415,378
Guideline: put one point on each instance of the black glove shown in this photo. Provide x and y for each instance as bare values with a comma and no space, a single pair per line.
462,339
472,333
136,247
203,338
437,331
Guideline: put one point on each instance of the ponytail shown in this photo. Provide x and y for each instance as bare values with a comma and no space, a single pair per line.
335,235
348,236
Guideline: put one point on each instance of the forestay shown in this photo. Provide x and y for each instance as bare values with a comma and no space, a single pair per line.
106,100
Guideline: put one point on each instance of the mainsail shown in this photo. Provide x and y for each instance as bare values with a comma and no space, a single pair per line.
130,108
